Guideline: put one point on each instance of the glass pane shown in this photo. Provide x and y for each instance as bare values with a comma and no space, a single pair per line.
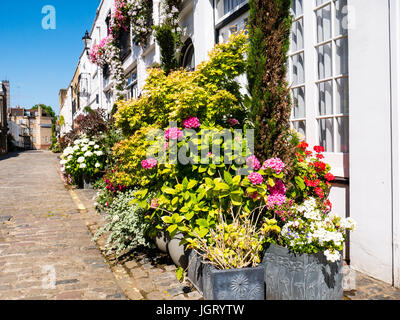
300,127
326,134
324,24
319,2
341,20
297,36
343,135
342,55
298,69
325,98
324,61
342,95
297,8
299,106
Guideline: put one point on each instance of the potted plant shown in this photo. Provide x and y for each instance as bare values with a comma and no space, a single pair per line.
304,261
225,265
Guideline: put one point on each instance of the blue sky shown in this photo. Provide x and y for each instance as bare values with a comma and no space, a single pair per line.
38,62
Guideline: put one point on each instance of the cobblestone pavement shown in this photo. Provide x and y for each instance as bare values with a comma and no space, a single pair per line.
143,274
46,250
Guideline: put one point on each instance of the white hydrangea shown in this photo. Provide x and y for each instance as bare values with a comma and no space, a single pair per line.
76,148
82,166
63,162
68,151
81,159
88,154
96,146
99,153
92,143
97,165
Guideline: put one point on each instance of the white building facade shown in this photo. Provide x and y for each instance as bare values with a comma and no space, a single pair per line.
344,71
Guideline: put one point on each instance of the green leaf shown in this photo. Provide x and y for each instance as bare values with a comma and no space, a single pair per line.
189,215
167,219
202,223
192,184
227,177
180,274
300,183
170,191
236,180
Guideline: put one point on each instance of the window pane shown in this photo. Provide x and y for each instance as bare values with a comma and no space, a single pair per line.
297,8
342,53
319,2
299,107
300,127
297,36
298,69
229,5
326,134
342,95
324,24
325,98
324,61
341,23
343,135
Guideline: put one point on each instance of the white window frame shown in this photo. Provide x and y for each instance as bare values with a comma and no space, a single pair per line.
337,160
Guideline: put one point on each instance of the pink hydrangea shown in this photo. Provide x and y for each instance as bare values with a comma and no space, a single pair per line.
279,188
233,122
253,163
275,164
191,123
149,163
173,134
256,178
276,200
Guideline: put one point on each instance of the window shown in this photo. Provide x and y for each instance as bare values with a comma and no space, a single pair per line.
297,65
124,43
230,5
188,57
332,83
319,77
132,87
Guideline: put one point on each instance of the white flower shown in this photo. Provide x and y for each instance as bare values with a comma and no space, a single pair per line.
76,148
85,148
63,169
81,159
97,165
68,151
70,157
82,166
63,162
76,142
349,224
88,154
96,146
332,256
92,143
85,141
99,153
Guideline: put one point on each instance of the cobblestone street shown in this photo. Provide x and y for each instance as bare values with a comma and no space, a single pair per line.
46,230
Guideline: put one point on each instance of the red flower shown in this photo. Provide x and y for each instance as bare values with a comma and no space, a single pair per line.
329,176
320,166
320,156
319,149
319,192
308,153
303,145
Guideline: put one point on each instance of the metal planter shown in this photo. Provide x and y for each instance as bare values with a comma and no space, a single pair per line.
301,277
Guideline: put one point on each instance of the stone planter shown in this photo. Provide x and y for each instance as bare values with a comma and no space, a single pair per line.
301,277
195,271
161,241
235,284
177,252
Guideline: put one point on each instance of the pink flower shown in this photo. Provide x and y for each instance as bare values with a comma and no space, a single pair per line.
276,200
253,163
191,122
154,204
173,134
256,178
279,188
149,163
275,164
233,122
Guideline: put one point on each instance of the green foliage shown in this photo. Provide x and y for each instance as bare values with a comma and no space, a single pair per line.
270,106
167,39
210,92
126,225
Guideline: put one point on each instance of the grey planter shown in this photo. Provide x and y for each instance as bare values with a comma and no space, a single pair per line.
236,284
177,252
195,271
301,277
161,241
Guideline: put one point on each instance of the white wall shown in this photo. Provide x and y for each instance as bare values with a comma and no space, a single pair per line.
370,139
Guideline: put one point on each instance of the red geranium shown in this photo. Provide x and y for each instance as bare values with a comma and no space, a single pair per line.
303,145
329,176
319,149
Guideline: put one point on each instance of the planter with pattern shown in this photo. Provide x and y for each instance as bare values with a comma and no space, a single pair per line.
301,277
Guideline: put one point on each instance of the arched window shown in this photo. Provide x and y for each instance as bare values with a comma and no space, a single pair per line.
188,58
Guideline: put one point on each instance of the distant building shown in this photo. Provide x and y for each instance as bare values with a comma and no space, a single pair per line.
4,104
31,129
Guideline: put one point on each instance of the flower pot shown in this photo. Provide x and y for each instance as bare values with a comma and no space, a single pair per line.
161,241
301,277
195,271
177,252
235,284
